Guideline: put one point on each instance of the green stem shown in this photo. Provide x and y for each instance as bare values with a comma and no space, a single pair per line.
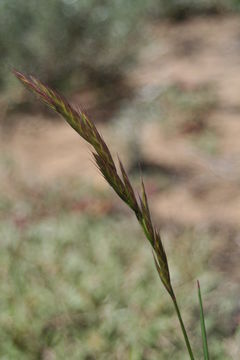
183,327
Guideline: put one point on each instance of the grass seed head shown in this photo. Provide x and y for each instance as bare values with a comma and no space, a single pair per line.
105,163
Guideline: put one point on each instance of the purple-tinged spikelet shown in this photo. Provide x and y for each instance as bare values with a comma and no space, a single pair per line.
105,163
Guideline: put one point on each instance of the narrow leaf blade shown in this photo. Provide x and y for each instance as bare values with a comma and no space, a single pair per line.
203,327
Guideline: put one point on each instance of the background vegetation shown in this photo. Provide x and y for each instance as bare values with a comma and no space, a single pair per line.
73,42
77,278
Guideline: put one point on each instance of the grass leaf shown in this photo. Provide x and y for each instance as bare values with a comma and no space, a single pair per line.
203,327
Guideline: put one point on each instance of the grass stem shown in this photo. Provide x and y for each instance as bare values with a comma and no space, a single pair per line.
183,327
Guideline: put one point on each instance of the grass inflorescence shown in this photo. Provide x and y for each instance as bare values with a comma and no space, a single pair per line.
104,161
117,179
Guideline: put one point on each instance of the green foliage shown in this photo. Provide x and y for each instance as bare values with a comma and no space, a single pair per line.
73,41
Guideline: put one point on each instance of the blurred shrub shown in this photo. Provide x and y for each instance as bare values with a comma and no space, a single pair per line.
182,9
73,41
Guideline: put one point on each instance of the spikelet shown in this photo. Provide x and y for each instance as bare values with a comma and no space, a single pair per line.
105,163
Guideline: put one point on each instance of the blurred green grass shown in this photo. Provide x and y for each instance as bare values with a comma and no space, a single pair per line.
82,285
